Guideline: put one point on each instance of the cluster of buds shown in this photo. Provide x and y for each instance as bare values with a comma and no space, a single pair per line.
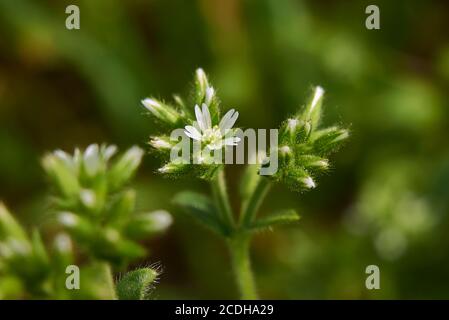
25,265
95,206
198,121
303,146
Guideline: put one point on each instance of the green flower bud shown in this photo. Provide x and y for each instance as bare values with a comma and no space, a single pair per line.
64,177
91,160
172,168
161,111
312,111
78,226
329,140
125,167
121,208
148,223
313,163
160,143
88,198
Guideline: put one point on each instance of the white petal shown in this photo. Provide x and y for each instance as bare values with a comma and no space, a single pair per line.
206,116
196,125
231,121
192,132
225,119
199,118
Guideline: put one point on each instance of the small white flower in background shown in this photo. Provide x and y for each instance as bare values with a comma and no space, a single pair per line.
214,137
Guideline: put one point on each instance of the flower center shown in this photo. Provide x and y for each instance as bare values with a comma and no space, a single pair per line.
212,136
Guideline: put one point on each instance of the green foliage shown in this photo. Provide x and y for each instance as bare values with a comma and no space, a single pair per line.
180,115
95,206
303,148
23,259
96,209
64,88
201,208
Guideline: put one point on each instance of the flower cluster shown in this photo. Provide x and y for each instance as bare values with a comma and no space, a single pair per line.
303,146
94,205
201,123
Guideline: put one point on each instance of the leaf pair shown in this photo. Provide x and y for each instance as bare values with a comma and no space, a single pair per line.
202,209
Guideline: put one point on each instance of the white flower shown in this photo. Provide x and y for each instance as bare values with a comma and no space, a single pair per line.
214,137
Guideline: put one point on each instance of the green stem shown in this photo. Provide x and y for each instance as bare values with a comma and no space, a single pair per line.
239,249
222,199
250,207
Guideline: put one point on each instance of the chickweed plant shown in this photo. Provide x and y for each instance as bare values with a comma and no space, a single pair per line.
302,149
94,208
96,224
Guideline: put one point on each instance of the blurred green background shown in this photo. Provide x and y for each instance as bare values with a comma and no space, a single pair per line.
386,200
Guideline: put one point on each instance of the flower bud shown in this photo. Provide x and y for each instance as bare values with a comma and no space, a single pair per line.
148,223
201,81
77,225
328,140
312,112
125,167
160,143
308,182
172,168
88,198
91,160
210,93
313,163
62,243
64,177
163,112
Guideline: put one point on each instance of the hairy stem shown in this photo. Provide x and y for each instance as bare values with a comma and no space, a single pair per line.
221,197
239,249
250,207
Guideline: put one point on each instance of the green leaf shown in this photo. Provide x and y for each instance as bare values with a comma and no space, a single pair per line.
135,285
202,208
274,219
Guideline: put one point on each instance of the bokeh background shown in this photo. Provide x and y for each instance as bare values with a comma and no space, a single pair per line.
385,202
